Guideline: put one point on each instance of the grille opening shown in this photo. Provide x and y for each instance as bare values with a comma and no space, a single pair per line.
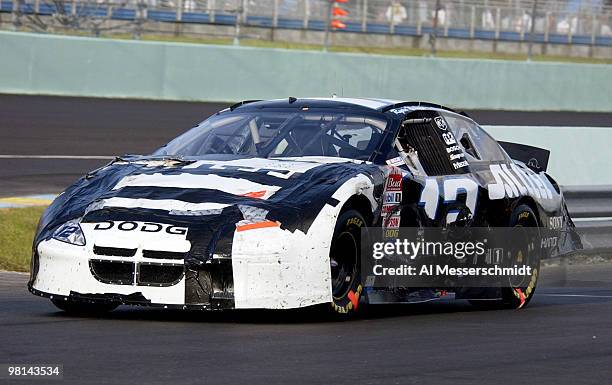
112,272
153,274
211,284
113,251
156,254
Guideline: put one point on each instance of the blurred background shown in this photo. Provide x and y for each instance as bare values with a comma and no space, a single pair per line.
574,28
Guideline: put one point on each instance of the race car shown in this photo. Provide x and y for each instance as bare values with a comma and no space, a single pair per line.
262,206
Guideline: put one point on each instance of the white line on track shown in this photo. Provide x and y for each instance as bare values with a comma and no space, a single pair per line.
13,272
575,295
594,219
56,157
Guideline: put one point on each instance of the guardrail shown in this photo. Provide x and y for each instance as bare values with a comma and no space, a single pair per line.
589,201
591,210
557,22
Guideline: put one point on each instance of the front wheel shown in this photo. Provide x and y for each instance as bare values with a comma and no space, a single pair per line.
345,262
84,308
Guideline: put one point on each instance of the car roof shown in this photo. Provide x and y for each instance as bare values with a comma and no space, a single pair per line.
380,105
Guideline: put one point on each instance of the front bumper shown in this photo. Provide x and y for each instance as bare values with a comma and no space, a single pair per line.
270,268
65,271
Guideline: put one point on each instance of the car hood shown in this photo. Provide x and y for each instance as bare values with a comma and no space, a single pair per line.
212,196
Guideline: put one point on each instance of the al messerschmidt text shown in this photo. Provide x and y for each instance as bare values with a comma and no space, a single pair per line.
446,270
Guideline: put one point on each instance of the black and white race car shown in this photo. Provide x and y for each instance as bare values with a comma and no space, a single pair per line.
262,204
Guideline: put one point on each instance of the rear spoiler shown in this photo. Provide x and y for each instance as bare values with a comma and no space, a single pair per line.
534,157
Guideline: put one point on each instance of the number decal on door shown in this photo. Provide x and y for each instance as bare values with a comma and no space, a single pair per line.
451,187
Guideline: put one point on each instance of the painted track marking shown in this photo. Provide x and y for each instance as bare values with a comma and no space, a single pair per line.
575,295
32,200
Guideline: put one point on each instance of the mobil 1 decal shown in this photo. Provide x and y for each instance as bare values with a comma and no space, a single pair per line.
447,191
454,152
392,197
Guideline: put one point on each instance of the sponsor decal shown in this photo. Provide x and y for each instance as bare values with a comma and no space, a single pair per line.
391,233
392,197
394,182
389,209
402,110
449,138
549,242
355,221
533,162
440,123
393,222
234,186
555,223
283,169
145,227
397,161
454,151
458,165
515,181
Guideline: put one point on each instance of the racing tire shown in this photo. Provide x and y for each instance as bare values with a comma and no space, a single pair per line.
520,296
345,263
84,308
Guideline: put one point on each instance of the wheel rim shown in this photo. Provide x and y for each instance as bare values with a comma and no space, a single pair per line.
522,256
343,263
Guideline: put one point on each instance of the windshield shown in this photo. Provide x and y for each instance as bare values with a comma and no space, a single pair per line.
282,134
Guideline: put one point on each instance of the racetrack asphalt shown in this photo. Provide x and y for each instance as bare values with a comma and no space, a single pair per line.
81,127
86,127
563,337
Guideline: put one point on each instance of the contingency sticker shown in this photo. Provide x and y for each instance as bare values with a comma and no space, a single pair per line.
397,161
392,197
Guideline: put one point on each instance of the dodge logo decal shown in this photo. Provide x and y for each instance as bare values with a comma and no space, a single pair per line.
146,227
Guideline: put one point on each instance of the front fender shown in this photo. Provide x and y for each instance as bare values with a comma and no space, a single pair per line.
277,268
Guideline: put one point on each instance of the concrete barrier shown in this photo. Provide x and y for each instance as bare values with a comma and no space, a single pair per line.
80,66
578,155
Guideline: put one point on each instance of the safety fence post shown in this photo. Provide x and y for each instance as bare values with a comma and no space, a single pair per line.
210,7
497,22
306,13
275,14
472,21
364,16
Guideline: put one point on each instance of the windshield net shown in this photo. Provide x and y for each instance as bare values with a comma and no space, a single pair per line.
282,134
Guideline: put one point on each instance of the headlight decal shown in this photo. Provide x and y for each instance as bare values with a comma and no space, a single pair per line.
70,232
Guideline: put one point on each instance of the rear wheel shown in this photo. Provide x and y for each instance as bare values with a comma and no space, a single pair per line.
517,295
345,263
84,308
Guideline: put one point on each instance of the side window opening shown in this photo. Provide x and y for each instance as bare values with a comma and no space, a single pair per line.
467,145
475,141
